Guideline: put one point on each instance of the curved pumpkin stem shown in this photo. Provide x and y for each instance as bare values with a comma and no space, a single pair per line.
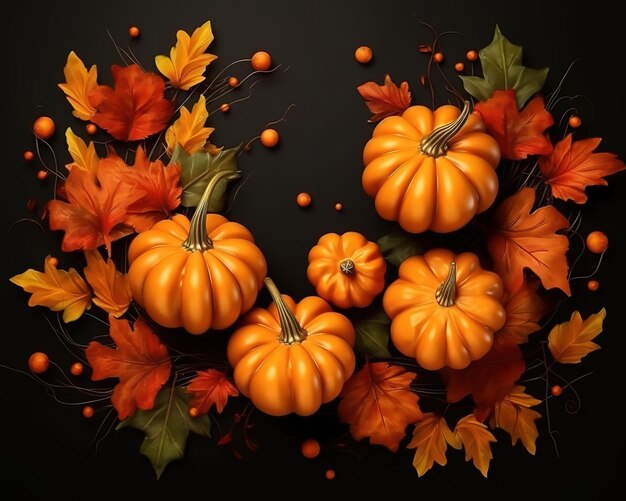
347,267
198,238
435,144
446,292
290,330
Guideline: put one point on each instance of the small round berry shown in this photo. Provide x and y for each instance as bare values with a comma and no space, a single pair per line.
88,411
471,55
363,54
438,57
233,81
269,138
574,121
310,448
338,207
44,127
261,61
303,199
28,156
459,67
193,412
76,369
224,107
134,32
597,242
38,362
330,474
91,129
556,390
42,174
53,261
593,285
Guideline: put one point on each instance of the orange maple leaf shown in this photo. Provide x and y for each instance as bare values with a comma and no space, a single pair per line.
84,156
524,309
518,134
431,438
571,341
78,84
141,362
513,415
385,100
211,387
522,239
58,290
110,287
135,107
476,439
189,131
378,403
573,166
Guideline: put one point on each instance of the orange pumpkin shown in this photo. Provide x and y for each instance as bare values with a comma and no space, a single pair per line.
197,274
347,270
431,170
292,357
444,309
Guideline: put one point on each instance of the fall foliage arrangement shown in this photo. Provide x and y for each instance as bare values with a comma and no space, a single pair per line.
457,300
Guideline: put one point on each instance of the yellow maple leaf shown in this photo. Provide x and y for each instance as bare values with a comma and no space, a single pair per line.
476,439
188,130
58,290
431,438
570,341
513,415
78,84
187,62
83,156
111,288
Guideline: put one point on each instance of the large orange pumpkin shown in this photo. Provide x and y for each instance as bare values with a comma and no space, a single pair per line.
444,309
197,274
292,357
431,170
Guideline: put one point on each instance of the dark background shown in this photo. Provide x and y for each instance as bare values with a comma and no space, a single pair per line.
48,447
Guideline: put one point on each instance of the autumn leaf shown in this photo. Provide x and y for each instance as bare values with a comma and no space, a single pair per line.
385,100
378,403
518,134
188,61
78,84
58,290
211,387
431,438
523,239
513,415
398,245
524,309
141,363
135,107
188,131
573,166
84,157
372,335
476,439
111,288
571,341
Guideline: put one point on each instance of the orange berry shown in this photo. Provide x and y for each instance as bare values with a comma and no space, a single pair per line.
269,138
91,129
54,261
338,207
574,121
224,107
134,32
44,127
593,285
28,155
438,57
471,55
76,369
261,61
330,474
597,242
88,411
193,412
556,390
38,362
233,81
310,448
42,174
363,54
303,199
459,67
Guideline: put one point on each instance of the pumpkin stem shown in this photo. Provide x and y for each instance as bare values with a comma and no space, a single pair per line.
290,330
435,144
347,267
198,238
446,292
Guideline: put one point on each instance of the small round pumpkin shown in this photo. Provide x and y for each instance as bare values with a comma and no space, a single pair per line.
431,170
292,357
444,309
197,274
347,269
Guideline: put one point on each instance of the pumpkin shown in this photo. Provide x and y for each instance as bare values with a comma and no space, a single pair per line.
347,269
292,357
444,309
197,274
431,170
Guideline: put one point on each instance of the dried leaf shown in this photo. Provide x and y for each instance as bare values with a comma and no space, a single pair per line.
84,157
571,341
524,309
431,438
372,335
476,439
111,288
211,387
188,131
78,84
385,100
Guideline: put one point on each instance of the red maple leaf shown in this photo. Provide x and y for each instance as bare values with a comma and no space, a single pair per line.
518,134
211,387
573,166
135,107
385,100
141,362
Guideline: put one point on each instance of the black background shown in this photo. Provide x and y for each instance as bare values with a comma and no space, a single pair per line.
48,447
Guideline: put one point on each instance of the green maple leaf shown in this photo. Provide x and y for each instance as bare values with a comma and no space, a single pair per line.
196,171
372,335
502,66
167,426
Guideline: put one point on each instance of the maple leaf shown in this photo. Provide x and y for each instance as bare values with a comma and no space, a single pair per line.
513,415
188,61
135,107
378,403
524,309
573,166
476,439
487,379
571,341
84,157
141,363
431,438
518,134
522,239
78,84
188,131
211,387
385,100
111,288
56,289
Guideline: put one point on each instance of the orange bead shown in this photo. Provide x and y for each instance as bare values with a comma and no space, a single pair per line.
459,67
574,121
310,448
338,207
76,369
44,127
224,107
593,285
54,261
438,57
330,474
88,411
303,199
91,129
134,32
556,390
42,174
597,242
471,55
233,81
269,138
28,155
193,412
261,61
38,362
363,54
